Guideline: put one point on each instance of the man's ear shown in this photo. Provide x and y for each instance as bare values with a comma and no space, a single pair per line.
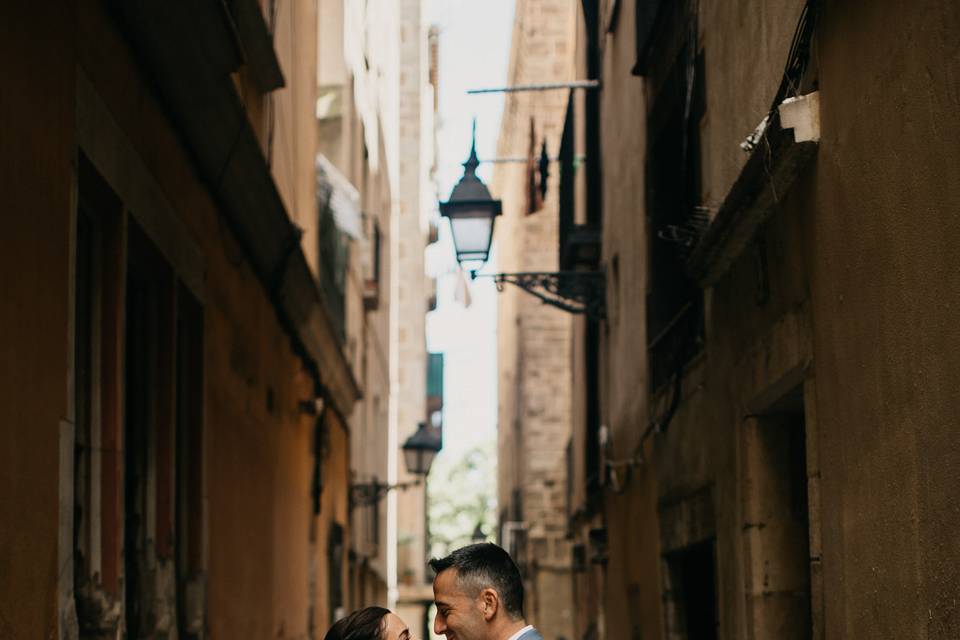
489,604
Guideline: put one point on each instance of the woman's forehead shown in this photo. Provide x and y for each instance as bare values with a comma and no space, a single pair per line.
395,624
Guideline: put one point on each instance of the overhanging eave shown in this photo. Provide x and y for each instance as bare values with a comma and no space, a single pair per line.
774,165
189,51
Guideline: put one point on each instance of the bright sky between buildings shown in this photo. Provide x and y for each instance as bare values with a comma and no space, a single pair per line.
474,52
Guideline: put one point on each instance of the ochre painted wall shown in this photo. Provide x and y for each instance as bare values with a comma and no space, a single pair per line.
36,177
258,446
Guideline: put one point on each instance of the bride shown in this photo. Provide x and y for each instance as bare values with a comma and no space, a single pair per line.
370,623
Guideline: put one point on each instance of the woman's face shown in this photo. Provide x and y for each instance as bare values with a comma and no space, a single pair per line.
395,628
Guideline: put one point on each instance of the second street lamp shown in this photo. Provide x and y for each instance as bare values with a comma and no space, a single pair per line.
419,450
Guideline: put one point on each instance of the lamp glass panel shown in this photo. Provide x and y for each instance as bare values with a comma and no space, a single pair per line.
472,234
427,460
411,458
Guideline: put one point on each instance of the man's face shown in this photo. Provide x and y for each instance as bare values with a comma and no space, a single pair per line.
459,614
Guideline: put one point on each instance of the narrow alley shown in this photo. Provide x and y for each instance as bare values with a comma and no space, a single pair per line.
303,296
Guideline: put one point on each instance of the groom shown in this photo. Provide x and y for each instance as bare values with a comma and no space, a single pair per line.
479,596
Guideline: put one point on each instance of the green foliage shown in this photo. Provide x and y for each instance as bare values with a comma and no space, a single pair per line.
462,494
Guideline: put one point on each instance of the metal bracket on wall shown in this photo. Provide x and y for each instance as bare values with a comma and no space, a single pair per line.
589,85
582,292
370,493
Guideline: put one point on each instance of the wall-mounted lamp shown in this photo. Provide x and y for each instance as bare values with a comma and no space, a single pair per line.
472,212
312,407
598,546
418,453
578,557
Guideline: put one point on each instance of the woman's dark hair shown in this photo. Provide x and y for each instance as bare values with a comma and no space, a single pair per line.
362,624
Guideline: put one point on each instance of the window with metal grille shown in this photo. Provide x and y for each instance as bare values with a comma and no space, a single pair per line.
674,217
372,267
98,371
138,509
334,256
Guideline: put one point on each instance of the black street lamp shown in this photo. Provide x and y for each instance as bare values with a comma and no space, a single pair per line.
472,212
419,450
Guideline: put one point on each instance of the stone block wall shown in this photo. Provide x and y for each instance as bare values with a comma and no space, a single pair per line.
533,338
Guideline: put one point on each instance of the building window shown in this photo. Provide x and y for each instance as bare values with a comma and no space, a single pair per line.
591,115
138,532
435,389
189,468
536,186
674,301
566,191
593,469
97,370
149,433
372,262
320,435
335,551
334,256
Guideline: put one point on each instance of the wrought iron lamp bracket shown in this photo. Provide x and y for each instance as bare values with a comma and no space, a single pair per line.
370,493
581,292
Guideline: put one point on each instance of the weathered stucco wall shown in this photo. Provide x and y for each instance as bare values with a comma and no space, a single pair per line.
36,176
261,534
854,331
630,578
885,289
258,445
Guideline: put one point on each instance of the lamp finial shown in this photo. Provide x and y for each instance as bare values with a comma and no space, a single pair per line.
470,166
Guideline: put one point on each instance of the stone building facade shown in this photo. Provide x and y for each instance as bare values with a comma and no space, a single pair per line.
344,118
533,340
377,109
417,194
761,437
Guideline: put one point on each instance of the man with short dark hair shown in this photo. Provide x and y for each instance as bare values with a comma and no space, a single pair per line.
479,596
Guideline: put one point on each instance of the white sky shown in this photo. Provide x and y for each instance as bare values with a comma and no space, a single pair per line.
474,51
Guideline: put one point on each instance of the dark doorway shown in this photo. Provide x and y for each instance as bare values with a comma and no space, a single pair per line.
777,522
693,592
